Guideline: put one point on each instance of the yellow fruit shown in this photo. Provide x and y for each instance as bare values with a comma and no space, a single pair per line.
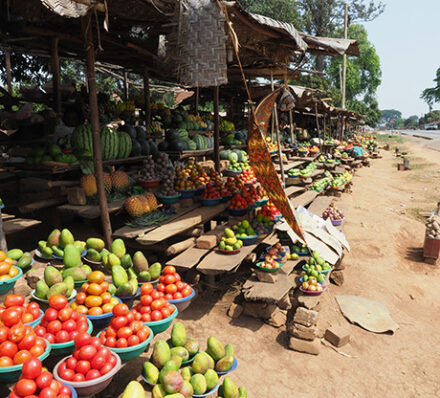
151,201
133,206
120,181
145,204
88,184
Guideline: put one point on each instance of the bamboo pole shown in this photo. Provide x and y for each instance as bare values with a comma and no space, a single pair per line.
8,70
125,86
86,27
147,103
216,129
56,78
291,127
317,125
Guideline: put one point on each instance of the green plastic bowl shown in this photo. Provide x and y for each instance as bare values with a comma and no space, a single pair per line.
10,374
7,285
67,348
168,200
44,304
129,353
80,283
162,325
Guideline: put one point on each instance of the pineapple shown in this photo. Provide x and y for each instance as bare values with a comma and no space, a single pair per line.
145,203
88,184
120,181
151,201
108,182
133,206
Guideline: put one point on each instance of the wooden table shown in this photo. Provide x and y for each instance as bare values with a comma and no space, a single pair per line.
305,199
89,212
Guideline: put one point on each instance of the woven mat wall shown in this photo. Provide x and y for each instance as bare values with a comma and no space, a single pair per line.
66,8
198,45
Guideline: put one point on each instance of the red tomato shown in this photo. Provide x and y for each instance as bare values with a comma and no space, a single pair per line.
171,288
156,316
82,339
111,332
93,374
6,361
120,309
79,377
11,316
62,336
187,291
157,304
125,332
58,301
26,317
22,356
169,269
75,315
50,338
73,334
68,325
112,360
8,349
95,342
3,333
98,361
118,322
177,276
54,327
36,351
82,327
87,352
160,287
64,390
143,334
48,393
155,295
146,310
106,368
14,299
146,300
66,374
122,343
44,380
146,318
31,368
133,340
136,326
130,317
146,288
180,286
110,342
165,312
25,387
71,363
168,297
82,367
16,333
27,343
65,314
137,316
177,296
169,279
51,314
55,385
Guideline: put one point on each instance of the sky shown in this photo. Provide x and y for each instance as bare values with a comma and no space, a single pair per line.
407,40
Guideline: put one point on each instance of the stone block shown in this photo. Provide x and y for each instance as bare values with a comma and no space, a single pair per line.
266,277
285,303
337,277
259,309
302,332
278,318
206,242
235,310
309,302
309,347
337,335
305,317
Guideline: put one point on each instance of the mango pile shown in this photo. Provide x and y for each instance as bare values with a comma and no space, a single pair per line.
229,241
56,243
55,283
20,259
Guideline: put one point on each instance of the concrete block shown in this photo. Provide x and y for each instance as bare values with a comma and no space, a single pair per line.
309,347
235,310
206,242
337,335
285,303
302,332
305,317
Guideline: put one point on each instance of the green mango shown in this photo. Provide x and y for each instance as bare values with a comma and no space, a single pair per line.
192,346
80,246
124,290
187,389
131,274
70,283
161,353
41,245
155,271
14,254
211,377
126,261
105,260
133,282
140,263
104,252
158,391
176,359
72,257
66,238
118,248
93,255
25,260
76,273
95,243
41,290
54,238
134,389
198,383
58,288
86,268
224,364
113,260
57,251
112,289
47,252
168,367
242,392
52,276
178,335
119,275
230,390
201,363
182,352
144,276
229,350
151,372
215,348
186,373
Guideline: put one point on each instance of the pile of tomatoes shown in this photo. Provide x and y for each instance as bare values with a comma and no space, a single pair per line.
16,302
171,285
7,270
153,306
124,329
238,202
60,323
89,361
94,299
37,382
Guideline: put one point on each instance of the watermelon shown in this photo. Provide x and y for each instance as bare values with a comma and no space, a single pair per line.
130,130
191,145
140,133
183,133
200,142
145,148
109,143
172,135
239,154
125,145
233,157
163,146
224,154
82,138
136,149
184,145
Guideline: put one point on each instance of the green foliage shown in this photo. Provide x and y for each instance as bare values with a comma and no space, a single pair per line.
430,117
388,114
25,69
432,95
281,10
411,122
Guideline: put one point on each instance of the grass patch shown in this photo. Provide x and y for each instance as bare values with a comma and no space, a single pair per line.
390,139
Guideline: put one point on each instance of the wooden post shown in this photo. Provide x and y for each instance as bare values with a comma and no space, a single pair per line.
8,70
317,125
147,104
344,61
3,244
197,100
216,129
291,127
125,86
56,78
86,27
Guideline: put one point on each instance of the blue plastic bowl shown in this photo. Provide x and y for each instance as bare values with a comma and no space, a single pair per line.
208,393
183,303
238,212
162,325
187,193
7,285
60,258
154,283
60,349
190,360
260,203
103,320
248,240
210,202
234,366
36,321
268,270
129,353
277,218
168,200
10,374
145,380
80,283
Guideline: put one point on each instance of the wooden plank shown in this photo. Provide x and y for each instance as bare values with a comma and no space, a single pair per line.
291,165
320,204
317,173
6,217
42,204
18,224
130,232
304,199
182,224
293,189
189,258
90,211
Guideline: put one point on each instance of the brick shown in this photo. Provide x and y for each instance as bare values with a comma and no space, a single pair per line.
309,347
258,309
278,318
309,302
305,317
206,242
337,335
285,303
302,332
235,310
337,277
266,277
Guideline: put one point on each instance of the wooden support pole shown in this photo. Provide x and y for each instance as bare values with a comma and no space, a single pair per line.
86,27
216,129
56,75
3,244
292,136
277,130
125,86
197,100
8,70
147,103
317,125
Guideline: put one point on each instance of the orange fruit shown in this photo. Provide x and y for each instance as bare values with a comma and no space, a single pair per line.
2,255
4,277
94,289
74,306
104,286
96,277
81,298
114,301
8,260
4,268
13,272
95,311
82,309
106,297
84,287
106,308
93,301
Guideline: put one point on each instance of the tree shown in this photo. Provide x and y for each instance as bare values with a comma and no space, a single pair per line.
432,95
430,117
389,114
411,122
282,10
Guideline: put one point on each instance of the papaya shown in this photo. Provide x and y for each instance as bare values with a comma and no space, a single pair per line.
47,252
133,390
25,260
182,352
155,271
112,289
58,288
93,255
178,335
52,276
124,290
66,238
57,251
242,392
126,261
144,276
76,273
95,244
86,268
187,390
169,366
151,372
186,373
158,391
140,263
211,378
80,246
14,254
230,390
192,346
224,364
54,238
229,350
41,245
72,257
119,275
70,283
201,363
41,290
161,353
198,383
172,381
215,348
118,248
113,260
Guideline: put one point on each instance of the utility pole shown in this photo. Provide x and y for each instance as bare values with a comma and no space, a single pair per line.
344,60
